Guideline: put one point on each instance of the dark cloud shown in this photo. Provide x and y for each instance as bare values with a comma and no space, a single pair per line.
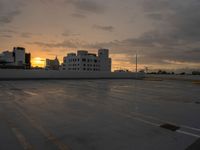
155,16
47,1
7,33
148,54
8,17
78,15
75,43
193,51
179,20
158,5
9,9
68,33
87,5
174,38
64,44
104,28
11,33
176,32
26,35
6,36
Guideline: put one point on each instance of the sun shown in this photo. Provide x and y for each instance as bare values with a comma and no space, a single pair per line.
38,61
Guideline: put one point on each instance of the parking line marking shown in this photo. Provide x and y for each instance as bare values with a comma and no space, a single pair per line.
158,125
188,133
48,134
22,140
164,121
18,134
31,93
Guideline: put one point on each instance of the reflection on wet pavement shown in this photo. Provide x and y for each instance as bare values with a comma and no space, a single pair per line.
98,114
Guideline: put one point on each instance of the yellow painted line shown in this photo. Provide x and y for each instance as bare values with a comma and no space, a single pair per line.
48,134
22,140
18,134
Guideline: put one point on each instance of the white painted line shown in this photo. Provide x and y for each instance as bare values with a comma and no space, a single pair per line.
188,133
158,125
10,93
164,121
142,120
192,128
30,93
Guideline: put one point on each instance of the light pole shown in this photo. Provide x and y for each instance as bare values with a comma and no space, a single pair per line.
136,63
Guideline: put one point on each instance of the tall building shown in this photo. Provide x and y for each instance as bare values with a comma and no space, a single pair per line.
7,57
17,59
105,61
52,64
28,60
19,56
84,61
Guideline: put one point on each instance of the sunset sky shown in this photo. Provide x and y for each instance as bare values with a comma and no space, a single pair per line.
165,33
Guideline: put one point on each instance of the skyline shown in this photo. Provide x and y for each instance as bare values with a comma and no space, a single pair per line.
166,34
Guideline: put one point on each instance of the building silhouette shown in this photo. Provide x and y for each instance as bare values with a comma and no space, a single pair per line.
17,59
85,61
52,64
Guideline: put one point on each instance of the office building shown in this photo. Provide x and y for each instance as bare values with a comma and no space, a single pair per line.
17,59
84,61
52,64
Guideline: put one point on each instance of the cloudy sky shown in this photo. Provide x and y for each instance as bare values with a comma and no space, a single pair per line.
165,33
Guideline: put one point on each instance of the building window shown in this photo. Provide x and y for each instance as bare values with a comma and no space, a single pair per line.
83,59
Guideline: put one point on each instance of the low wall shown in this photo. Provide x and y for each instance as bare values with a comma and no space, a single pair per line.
54,74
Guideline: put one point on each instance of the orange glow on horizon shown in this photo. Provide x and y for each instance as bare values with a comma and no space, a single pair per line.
38,62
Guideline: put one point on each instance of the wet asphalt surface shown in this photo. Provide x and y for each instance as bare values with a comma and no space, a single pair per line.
99,115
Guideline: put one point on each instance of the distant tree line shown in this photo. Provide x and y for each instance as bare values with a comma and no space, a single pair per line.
172,73
161,72
195,72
